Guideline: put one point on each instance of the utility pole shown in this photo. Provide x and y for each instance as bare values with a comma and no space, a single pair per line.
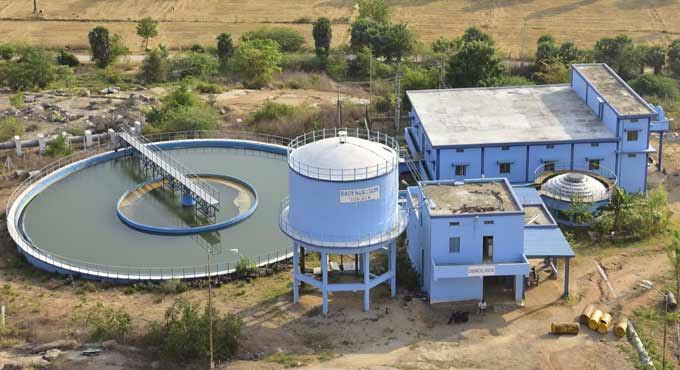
35,6
397,92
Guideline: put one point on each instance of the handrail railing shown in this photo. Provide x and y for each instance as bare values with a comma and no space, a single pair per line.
173,167
343,174
134,272
345,240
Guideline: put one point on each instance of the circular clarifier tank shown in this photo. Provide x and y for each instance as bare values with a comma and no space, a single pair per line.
68,220
151,208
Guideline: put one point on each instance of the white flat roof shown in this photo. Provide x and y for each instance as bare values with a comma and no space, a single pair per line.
503,115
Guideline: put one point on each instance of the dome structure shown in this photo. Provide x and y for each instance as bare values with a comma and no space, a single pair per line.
575,186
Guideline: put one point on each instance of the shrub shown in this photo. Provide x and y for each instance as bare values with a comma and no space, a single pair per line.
256,61
197,48
17,100
288,39
7,51
207,87
173,286
10,127
66,58
183,333
58,147
154,67
35,68
655,85
182,110
271,111
108,323
514,81
194,64
244,266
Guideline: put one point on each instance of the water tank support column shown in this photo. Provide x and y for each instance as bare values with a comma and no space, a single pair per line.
393,267
296,271
366,268
17,144
324,282
566,278
88,139
41,144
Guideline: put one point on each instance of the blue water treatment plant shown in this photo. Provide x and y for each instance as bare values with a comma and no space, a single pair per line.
344,200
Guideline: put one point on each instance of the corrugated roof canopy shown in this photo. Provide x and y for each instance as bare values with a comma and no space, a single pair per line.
542,242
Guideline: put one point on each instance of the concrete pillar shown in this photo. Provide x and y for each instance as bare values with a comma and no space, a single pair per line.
565,294
324,282
87,140
296,286
519,288
393,267
659,164
67,139
366,268
113,137
138,127
41,144
17,145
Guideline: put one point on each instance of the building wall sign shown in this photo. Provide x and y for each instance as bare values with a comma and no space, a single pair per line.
359,195
482,270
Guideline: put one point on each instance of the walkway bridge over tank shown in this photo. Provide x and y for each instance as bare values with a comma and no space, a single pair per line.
175,176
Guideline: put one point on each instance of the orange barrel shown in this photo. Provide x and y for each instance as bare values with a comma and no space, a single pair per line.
585,315
594,320
605,322
621,327
564,328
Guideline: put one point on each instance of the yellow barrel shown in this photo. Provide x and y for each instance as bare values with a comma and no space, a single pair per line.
585,315
605,322
594,320
621,327
564,328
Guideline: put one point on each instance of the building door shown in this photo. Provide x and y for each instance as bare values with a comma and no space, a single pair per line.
487,249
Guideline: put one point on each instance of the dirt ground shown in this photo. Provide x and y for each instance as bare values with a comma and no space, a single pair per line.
516,24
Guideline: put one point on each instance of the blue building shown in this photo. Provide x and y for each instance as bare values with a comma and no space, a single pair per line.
597,124
468,238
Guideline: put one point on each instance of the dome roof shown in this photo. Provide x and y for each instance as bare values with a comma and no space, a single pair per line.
575,185
343,158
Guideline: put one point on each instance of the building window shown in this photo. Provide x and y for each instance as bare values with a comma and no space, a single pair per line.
454,244
460,170
459,150
632,135
594,145
594,164
504,167
505,147
550,146
454,224
488,222
632,155
549,166
633,120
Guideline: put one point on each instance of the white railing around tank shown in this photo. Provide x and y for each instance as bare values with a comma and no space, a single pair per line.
348,240
132,272
343,174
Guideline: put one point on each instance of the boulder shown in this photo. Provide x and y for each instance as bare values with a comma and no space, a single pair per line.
62,344
52,354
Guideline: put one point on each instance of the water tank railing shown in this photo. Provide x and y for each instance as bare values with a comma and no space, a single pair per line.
343,174
344,240
604,174
133,272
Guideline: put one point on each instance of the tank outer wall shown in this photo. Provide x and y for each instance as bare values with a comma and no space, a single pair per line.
316,208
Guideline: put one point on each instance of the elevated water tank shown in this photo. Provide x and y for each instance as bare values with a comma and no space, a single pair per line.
343,189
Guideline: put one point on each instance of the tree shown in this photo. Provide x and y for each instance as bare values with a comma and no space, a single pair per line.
225,48
397,42
444,45
655,57
364,33
546,51
674,58
289,40
256,61
147,28
323,33
106,49
568,53
475,64
619,53
154,67
376,10
66,58
475,34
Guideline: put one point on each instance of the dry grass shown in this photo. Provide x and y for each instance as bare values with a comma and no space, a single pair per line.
515,23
